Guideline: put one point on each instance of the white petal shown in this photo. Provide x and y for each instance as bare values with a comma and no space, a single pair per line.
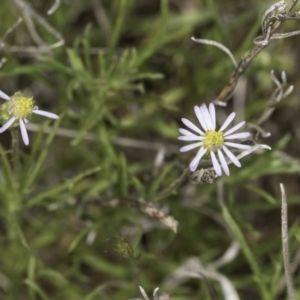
26,121
24,132
191,138
189,124
155,291
223,162
231,156
227,121
234,128
185,132
143,293
215,163
45,114
239,146
212,114
195,162
4,96
200,117
207,117
190,147
7,124
241,135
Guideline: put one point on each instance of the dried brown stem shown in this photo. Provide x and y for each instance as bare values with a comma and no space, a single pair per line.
261,42
278,94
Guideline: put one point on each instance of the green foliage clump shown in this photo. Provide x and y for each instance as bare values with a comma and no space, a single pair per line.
85,210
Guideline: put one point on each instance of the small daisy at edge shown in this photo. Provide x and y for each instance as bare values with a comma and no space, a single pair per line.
16,112
211,141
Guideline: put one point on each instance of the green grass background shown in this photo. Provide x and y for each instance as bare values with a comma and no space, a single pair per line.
61,236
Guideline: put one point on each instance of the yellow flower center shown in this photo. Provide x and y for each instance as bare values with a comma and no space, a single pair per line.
20,106
213,140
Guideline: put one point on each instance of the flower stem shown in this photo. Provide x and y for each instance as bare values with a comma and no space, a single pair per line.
15,230
15,150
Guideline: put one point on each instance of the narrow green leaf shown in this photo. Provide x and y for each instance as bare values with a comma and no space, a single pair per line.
32,175
87,48
67,185
78,239
118,25
257,273
107,146
56,65
94,293
139,187
75,60
160,178
31,269
95,114
160,37
55,277
221,30
32,285
261,192
30,160
277,273
103,265
8,173
123,177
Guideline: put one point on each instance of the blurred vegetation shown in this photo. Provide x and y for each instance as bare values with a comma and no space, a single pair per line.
126,75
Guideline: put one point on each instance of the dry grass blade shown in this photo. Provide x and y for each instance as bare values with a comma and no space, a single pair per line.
192,268
285,245
218,45
54,7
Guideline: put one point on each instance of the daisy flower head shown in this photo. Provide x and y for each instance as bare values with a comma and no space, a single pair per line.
213,142
17,111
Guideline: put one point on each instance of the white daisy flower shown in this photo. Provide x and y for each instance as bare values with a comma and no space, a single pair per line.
16,112
210,141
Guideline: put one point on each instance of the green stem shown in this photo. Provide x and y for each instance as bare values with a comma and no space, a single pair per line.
15,150
14,228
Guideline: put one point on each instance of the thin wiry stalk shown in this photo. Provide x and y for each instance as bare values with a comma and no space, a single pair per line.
54,7
285,245
155,296
120,141
218,45
9,31
29,14
279,93
296,263
194,268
